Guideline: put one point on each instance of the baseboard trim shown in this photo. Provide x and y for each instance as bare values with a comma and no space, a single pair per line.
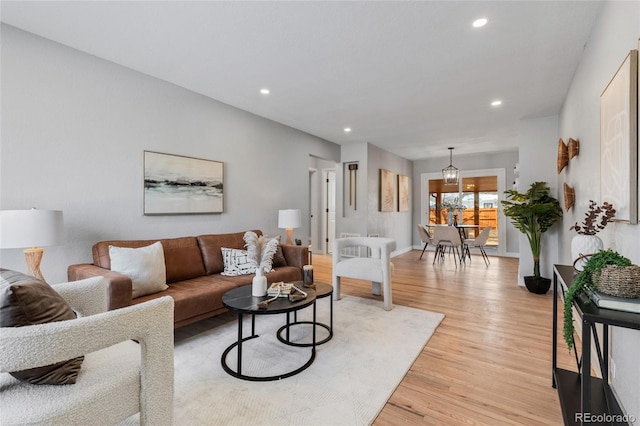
401,251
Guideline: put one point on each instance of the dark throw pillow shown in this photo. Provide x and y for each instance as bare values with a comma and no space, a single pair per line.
278,258
25,300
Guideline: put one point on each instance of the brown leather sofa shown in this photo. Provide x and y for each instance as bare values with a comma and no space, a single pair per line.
193,267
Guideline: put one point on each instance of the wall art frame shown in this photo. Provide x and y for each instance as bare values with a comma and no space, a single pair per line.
176,184
387,191
619,141
403,193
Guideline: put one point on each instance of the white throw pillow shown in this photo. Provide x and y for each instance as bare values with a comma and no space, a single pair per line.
236,262
145,266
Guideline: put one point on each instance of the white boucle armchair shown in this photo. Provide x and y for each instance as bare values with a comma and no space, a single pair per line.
118,378
376,268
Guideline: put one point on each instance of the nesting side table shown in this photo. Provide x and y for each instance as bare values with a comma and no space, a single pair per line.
322,291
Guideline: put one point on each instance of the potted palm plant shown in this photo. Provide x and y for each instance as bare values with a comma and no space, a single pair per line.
533,213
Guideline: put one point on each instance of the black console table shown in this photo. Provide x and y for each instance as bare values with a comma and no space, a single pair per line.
579,392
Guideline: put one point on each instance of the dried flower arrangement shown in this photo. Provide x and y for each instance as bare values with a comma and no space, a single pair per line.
451,205
596,218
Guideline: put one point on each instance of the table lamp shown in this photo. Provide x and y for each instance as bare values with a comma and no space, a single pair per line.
32,229
289,219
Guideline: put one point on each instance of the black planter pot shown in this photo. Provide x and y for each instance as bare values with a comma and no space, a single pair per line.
537,285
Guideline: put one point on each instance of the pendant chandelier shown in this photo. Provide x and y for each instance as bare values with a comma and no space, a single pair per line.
450,174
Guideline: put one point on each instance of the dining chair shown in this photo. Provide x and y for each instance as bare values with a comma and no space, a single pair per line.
447,237
479,243
426,238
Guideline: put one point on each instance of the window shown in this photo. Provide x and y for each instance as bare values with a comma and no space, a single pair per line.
477,198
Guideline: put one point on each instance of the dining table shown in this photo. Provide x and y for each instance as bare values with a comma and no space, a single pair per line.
461,227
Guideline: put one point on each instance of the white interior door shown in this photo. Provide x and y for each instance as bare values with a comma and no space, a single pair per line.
313,206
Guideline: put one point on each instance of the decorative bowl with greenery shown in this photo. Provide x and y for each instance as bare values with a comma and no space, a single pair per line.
584,281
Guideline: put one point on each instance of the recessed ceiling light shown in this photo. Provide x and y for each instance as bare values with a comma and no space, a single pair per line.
265,91
481,22
496,103
347,129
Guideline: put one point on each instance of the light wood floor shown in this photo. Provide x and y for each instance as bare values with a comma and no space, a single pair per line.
489,361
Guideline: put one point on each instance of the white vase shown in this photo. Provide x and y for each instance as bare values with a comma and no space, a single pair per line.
450,217
584,245
259,284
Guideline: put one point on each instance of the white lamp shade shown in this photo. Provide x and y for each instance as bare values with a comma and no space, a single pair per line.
30,228
290,218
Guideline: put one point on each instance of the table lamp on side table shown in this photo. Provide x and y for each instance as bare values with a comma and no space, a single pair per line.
32,229
289,219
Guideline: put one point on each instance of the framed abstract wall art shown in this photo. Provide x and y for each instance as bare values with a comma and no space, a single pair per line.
387,191
174,184
403,193
619,141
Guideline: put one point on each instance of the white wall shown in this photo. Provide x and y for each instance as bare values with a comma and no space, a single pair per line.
394,224
366,218
615,33
538,142
74,128
352,219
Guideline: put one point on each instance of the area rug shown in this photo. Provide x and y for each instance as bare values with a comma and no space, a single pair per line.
352,377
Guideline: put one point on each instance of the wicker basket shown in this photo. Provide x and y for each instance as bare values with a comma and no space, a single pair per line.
621,281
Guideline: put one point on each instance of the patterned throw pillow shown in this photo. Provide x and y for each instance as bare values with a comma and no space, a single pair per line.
236,262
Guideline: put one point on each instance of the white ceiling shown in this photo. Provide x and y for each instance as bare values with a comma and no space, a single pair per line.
410,77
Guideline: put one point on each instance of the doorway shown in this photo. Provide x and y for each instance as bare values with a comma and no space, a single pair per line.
322,204
477,198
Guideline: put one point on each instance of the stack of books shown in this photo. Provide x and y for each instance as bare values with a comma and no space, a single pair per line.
283,288
606,301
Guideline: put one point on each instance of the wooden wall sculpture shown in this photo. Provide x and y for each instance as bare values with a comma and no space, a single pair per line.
563,155
569,197
573,147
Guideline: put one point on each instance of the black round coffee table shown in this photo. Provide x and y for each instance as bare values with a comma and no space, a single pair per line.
241,301
322,290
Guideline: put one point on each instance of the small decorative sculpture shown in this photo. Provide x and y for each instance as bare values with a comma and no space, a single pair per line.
296,294
265,303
